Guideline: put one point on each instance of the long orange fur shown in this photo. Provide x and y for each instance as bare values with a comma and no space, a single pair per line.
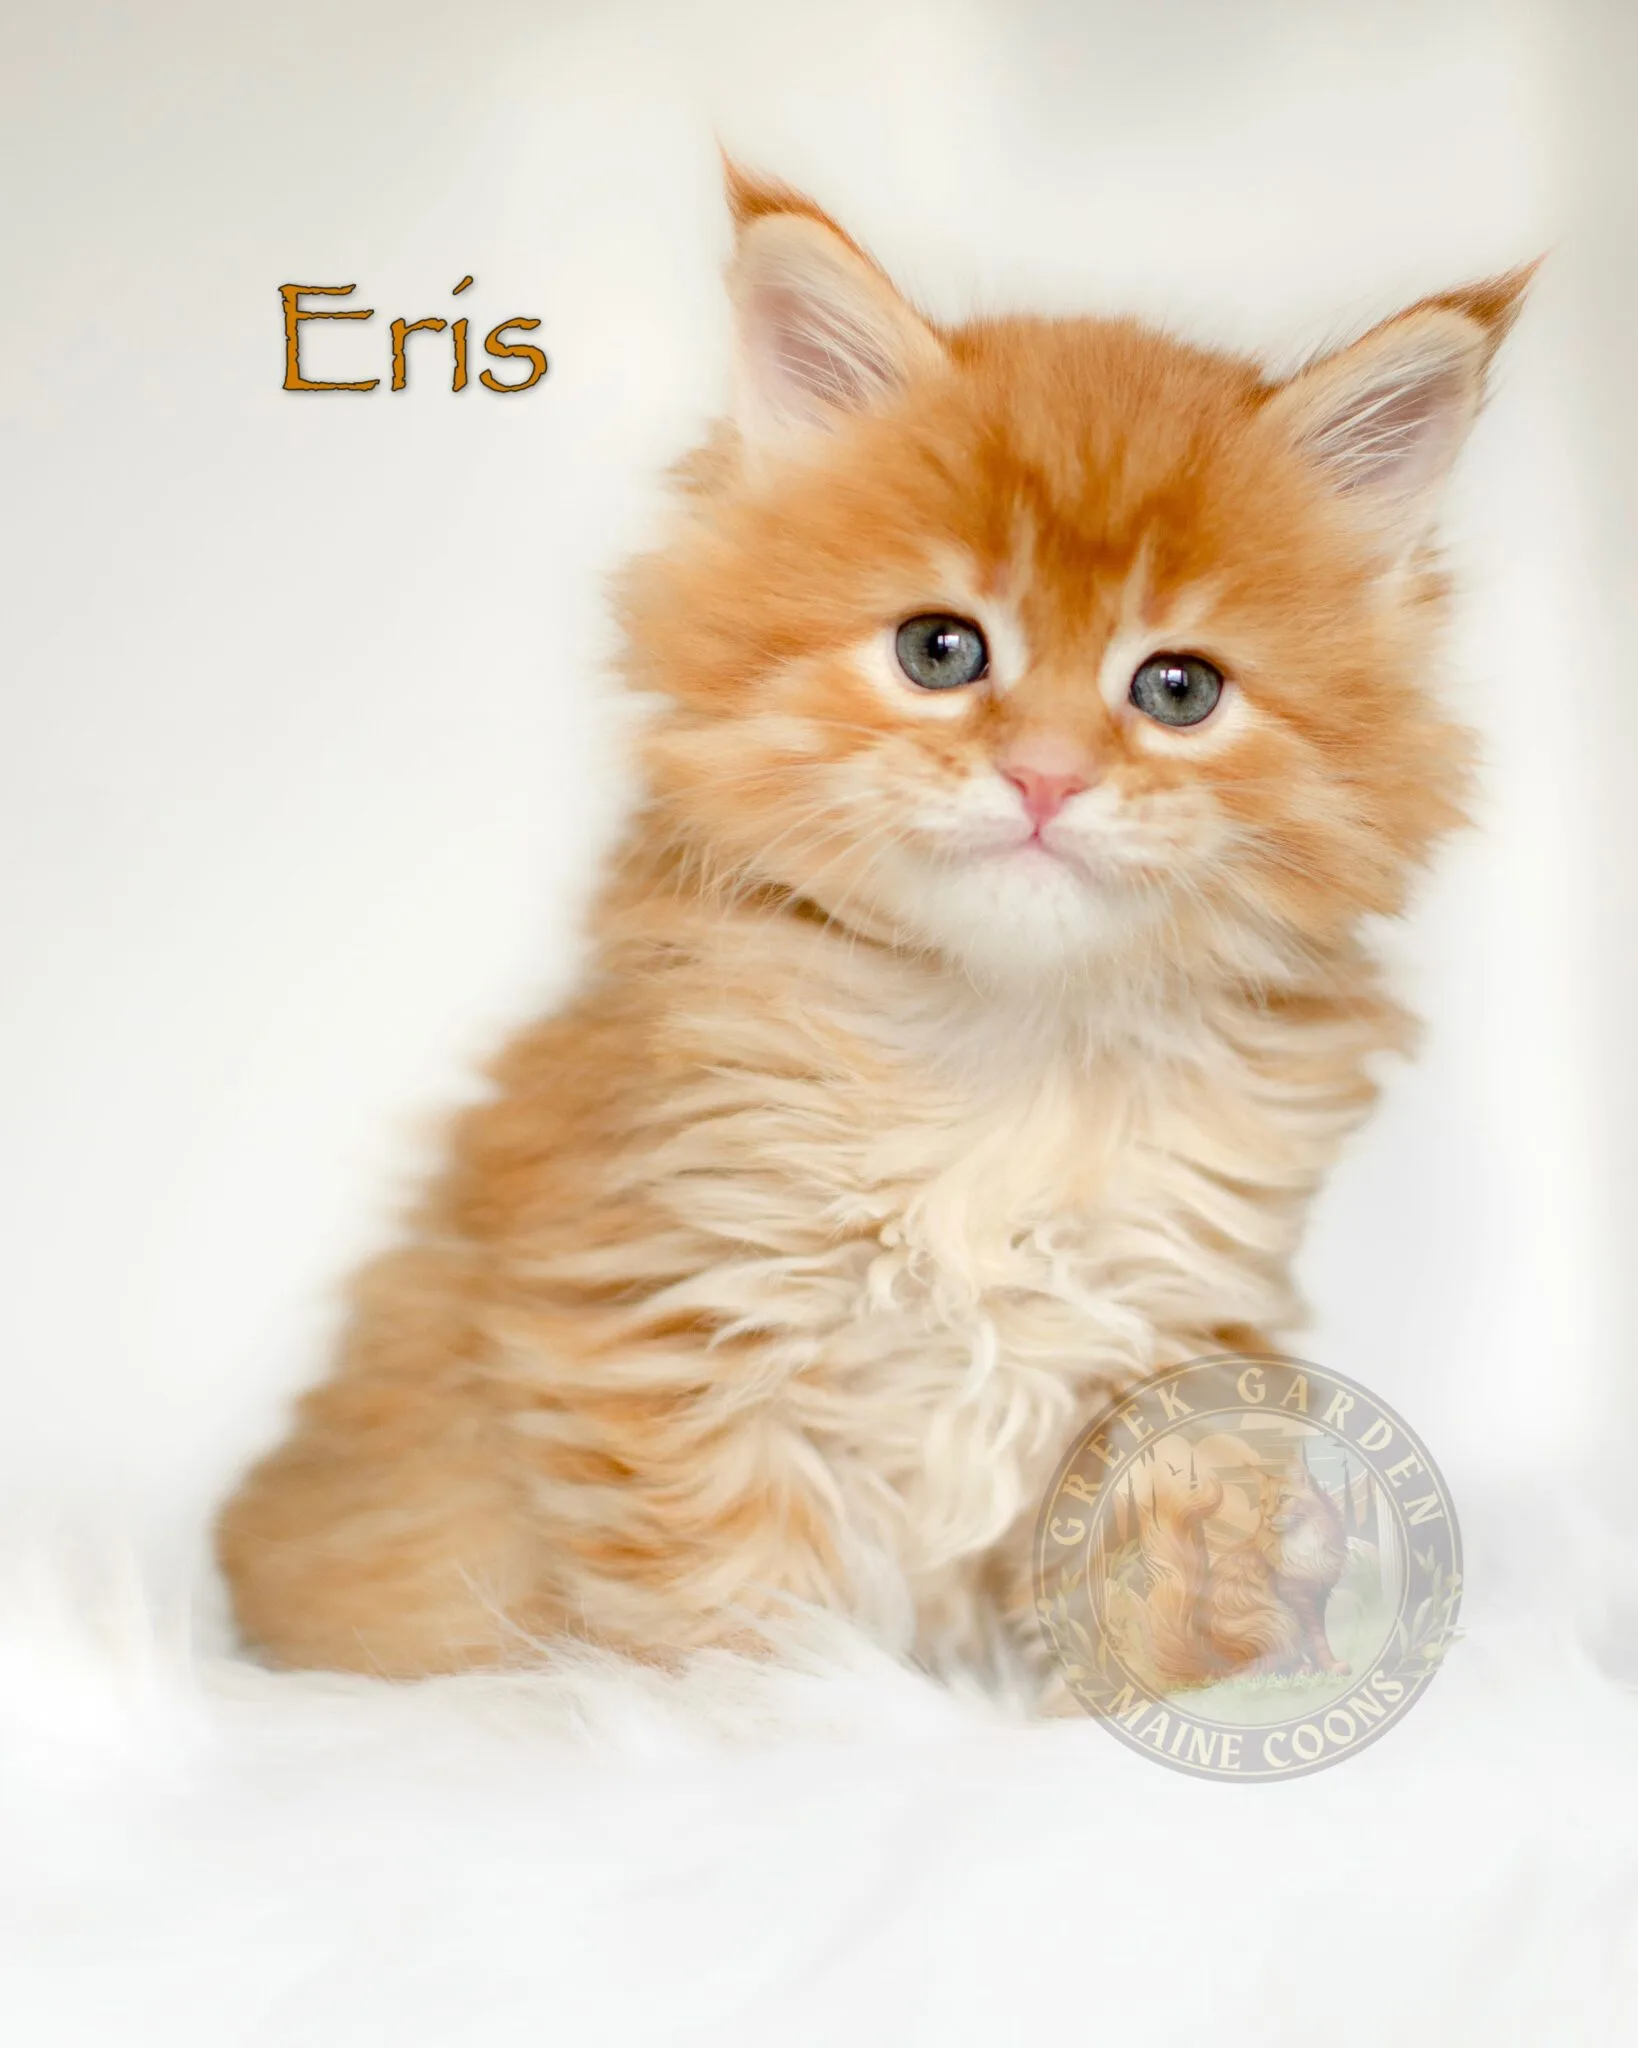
783,1263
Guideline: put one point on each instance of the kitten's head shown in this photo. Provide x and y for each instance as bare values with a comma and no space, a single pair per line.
1032,642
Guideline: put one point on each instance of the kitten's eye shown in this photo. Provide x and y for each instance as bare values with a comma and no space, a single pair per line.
941,653
1177,689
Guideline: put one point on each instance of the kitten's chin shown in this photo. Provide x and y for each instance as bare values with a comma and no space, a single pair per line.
1024,916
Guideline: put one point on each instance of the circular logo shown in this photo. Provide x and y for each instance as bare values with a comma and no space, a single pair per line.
1248,1568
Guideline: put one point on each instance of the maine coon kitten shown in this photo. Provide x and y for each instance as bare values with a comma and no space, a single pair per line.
975,1004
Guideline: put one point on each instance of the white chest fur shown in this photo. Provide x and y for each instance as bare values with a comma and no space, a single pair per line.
948,1258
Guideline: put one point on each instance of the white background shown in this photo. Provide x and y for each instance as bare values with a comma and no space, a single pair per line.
308,754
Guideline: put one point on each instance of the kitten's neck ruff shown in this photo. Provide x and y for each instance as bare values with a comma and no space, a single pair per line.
1137,1002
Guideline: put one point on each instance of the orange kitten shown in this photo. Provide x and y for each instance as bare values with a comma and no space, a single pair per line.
976,1003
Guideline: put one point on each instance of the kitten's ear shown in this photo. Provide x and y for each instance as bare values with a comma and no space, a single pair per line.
1384,418
820,331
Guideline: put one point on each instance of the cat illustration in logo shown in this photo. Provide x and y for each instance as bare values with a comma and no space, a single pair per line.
1254,1606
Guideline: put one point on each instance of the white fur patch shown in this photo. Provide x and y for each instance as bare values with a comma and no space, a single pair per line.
978,1218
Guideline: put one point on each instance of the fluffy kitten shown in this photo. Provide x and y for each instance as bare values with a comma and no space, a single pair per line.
976,1001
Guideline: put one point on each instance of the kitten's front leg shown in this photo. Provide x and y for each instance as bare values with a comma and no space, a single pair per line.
434,1511
673,1520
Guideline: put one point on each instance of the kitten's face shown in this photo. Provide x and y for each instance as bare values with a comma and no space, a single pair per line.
1044,642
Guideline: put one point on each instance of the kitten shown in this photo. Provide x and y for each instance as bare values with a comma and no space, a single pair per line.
976,1002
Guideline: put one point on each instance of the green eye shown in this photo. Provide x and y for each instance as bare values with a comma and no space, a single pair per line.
1176,689
938,652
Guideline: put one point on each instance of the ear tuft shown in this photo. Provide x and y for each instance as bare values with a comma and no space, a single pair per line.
1384,418
1494,302
821,332
752,196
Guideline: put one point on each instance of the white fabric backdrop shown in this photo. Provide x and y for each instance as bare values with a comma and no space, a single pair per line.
307,762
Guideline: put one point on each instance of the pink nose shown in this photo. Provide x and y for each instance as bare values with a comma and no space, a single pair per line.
1045,791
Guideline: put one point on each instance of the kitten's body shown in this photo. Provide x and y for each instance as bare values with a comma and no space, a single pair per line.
787,1261
778,1266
